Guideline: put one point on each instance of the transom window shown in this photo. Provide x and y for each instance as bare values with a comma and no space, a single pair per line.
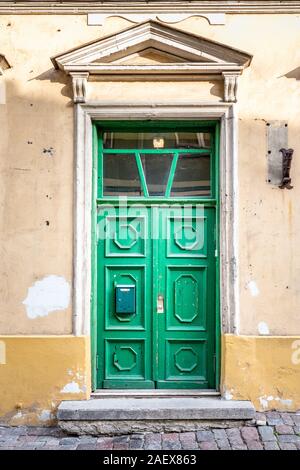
156,164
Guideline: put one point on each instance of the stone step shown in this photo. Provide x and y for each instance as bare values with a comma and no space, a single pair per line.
131,414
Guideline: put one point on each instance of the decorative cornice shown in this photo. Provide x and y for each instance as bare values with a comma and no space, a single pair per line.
154,6
188,54
98,19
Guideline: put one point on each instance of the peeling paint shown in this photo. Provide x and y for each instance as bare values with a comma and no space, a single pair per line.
265,401
252,286
296,354
50,294
2,353
228,395
45,415
71,387
263,328
2,92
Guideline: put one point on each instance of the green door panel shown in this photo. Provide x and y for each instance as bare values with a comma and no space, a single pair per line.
186,279
124,339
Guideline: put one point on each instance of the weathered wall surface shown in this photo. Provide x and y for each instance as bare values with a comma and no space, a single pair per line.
37,162
263,370
36,194
37,372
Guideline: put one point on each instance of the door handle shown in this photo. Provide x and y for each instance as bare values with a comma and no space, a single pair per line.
160,304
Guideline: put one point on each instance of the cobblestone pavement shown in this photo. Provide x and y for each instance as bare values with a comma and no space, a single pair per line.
271,431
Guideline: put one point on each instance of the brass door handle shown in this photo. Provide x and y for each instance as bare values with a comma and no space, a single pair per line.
160,304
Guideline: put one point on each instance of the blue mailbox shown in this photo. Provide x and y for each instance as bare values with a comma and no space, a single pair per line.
125,298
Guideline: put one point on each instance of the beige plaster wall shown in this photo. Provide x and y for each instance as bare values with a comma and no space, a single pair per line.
36,150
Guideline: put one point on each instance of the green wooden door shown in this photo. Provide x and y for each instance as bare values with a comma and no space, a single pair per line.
185,278
156,259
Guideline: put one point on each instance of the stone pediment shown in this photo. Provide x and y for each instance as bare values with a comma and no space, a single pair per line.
152,48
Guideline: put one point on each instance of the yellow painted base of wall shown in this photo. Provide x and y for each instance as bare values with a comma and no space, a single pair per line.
263,369
38,372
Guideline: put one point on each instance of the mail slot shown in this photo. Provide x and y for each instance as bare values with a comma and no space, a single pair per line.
125,298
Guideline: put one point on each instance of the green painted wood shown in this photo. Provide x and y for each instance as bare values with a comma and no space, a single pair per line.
141,173
199,151
93,302
171,175
186,279
176,348
124,258
150,126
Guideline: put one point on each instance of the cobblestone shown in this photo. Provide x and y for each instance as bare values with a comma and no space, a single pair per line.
254,445
223,444
287,446
283,435
171,441
208,445
271,446
203,436
250,434
284,429
266,433
287,418
234,436
220,434
188,440
289,438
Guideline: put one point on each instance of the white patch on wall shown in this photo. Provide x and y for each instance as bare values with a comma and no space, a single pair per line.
228,395
45,415
2,352
265,401
263,328
252,286
2,91
71,387
48,295
295,355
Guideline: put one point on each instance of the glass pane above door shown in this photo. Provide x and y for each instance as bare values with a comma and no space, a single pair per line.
157,164
192,176
156,168
153,140
120,175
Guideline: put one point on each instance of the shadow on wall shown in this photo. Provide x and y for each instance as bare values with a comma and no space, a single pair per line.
293,74
57,76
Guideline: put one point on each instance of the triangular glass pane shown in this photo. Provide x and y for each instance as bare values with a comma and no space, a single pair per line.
156,168
120,175
192,176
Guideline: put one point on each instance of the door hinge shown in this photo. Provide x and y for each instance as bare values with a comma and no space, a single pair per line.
215,362
97,361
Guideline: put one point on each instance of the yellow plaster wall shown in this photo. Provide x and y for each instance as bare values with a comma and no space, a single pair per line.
265,370
36,190
38,372
36,209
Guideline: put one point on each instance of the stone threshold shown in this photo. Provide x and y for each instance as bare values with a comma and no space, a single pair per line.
153,393
148,414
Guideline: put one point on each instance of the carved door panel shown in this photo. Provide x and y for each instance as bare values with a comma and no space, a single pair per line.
186,281
124,338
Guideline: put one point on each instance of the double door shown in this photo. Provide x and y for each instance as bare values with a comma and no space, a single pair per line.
156,296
